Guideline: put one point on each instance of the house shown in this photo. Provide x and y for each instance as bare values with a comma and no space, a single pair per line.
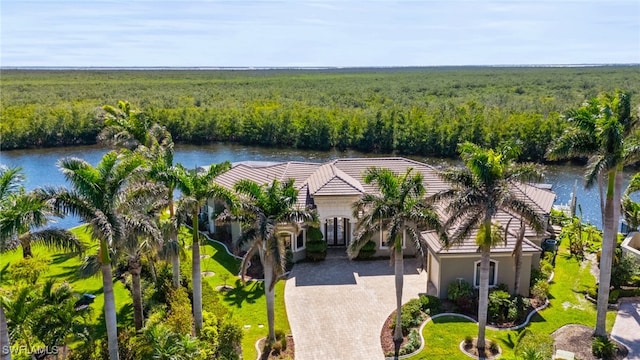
331,188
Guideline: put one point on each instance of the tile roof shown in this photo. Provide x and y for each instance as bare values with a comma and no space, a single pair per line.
345,177
467,246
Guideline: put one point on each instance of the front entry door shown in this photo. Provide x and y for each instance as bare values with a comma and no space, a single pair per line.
337,231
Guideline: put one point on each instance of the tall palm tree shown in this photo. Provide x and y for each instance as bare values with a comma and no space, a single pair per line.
400,210
23,217
196,188
97,196
602,130
267,212
478,192
127,128
10,181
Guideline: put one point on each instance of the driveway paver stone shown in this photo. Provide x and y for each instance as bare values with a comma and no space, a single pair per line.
337,307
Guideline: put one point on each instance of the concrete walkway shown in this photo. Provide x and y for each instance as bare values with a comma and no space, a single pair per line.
626,328
337,307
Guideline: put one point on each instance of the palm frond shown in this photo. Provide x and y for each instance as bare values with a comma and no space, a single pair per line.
55,238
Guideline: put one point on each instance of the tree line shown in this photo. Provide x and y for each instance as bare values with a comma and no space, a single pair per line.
409,111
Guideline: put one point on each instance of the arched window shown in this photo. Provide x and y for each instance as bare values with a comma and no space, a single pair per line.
493,273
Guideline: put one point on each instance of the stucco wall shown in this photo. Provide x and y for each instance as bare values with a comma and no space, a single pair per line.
452,268
334,206
631,245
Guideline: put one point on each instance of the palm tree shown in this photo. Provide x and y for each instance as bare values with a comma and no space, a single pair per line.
21,213
399,210
98,196
268,212
130,129
10,180
5,345
602,130
478,192
196,188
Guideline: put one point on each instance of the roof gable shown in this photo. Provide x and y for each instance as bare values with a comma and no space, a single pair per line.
329,180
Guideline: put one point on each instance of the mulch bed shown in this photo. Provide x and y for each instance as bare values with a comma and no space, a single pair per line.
472,349
288,353
577,339
386,336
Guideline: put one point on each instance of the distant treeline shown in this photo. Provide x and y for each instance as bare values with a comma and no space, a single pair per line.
410,111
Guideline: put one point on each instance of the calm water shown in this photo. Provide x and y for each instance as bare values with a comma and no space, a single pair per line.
41,170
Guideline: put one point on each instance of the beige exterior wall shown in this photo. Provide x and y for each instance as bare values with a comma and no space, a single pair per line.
452,268
409,247
329,207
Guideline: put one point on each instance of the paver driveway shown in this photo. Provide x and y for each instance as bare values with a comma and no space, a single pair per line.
626,329
337,307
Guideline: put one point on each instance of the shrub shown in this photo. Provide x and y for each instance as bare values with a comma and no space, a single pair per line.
179,317
540,290
461,293
431,305
614,295
411,315
603,347
230,336
314,234
499,305
367,251
623,270
534,343
459,289
413,343
316,250
29,269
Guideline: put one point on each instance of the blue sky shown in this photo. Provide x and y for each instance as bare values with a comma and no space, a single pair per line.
317,33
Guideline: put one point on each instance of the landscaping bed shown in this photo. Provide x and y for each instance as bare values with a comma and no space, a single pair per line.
282,349
578,339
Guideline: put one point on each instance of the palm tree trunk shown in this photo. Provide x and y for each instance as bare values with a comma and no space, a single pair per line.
196,275
483,299
26,250
109,302
517,253
175,258
5,346
606,256
399,277
269,292
136,291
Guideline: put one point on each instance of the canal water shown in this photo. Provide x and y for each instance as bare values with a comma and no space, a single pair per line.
40,167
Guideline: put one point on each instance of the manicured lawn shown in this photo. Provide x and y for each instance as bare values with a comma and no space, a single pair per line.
246,303
567,306
63,267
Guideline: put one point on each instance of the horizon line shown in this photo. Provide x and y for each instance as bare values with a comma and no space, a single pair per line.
249,68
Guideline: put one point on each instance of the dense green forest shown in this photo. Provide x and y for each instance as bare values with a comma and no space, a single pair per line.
425,111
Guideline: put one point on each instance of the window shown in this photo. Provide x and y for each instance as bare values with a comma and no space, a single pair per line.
300,240
383,239
493,273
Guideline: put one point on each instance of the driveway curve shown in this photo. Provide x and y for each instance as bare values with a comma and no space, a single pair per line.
337,307
626,328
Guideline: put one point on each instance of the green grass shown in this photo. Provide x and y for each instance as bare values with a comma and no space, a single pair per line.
567,306
63,268
246,303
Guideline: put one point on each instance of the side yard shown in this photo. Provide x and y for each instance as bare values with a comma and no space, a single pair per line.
246,303
567,306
